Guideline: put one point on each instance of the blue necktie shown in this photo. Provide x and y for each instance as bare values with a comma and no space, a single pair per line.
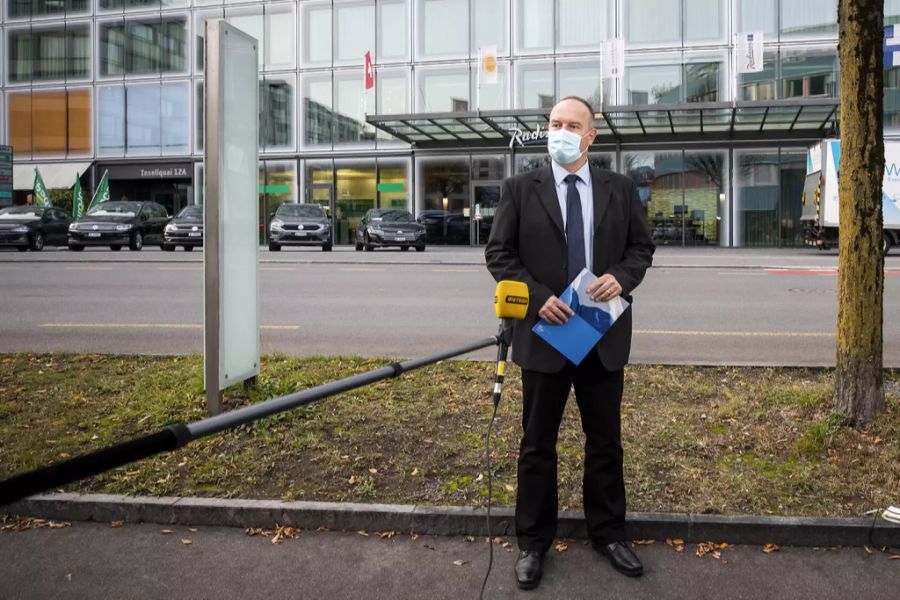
574,228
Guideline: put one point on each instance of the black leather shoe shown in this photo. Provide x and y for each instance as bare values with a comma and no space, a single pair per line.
529,568
621,558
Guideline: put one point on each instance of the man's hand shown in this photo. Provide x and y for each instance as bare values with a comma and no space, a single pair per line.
604,288
555,311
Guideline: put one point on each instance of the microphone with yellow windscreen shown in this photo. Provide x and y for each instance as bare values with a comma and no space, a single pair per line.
511,300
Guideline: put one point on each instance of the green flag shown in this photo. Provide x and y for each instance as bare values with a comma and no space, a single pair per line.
102,193
39,190
77,199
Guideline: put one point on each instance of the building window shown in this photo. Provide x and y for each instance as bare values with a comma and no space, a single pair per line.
47,55
354,26
276,114
703,82
759,15
653,84
273,27
490,25
535,87
443,90
144,119
393,30
40,8
653,22
806,73
318,116
141,47
118,5
582,79
808,18
443,28
704,20
892,98
761,85
50,123
535,29
584,23
317,33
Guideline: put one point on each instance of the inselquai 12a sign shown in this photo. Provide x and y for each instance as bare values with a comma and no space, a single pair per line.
527,138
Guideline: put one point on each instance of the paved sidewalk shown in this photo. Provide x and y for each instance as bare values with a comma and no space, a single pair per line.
95,560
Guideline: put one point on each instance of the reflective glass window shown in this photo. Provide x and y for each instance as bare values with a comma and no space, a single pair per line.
349,120
535,29
444,90
355,25
48,124
892,98
142,127
111,115
140,4
807,73
317,30
652,22
804,18
46,55
756,198
393,32
19,107
139,47
392,88
492,96
658,177
442,190
704,20
79,121
444,29
761,85
535,85
654,84
584,23
758,15
490,25
355,193
705,182
39,8
175,117
703,82
891,12
276,118
583,80
318,115
393,187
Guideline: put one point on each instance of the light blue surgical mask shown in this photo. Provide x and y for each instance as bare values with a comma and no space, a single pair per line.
564,146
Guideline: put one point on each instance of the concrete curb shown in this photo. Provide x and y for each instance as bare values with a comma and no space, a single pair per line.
443,520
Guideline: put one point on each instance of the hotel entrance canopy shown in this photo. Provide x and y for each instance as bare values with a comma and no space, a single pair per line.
807,118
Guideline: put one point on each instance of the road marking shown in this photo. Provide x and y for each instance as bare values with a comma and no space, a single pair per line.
456,270
88,268
733,333
152,326
743,274
361,270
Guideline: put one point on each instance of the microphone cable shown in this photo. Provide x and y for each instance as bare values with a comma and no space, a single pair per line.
502,351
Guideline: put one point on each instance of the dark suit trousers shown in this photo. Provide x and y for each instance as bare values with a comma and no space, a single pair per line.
599,396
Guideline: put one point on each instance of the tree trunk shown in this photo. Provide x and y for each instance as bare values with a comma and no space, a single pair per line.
859,391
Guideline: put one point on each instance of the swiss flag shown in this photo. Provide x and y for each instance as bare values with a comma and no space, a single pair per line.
370,77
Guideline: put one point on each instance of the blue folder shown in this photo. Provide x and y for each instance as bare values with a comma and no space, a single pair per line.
573,339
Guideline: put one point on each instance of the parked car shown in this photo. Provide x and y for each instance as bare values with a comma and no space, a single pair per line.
300,225
33,227
116,223
185,229
382,227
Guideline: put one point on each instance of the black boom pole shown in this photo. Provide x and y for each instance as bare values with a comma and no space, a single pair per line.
180,434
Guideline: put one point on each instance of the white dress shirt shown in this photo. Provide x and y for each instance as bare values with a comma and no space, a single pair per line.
586,193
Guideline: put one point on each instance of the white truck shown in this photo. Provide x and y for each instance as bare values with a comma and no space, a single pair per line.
820,214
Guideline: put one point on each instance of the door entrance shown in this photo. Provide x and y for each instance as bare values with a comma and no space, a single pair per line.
323,195
484,201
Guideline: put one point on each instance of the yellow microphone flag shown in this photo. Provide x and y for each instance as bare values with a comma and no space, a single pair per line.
511,300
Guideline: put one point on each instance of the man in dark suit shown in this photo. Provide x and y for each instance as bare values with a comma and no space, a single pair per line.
550,224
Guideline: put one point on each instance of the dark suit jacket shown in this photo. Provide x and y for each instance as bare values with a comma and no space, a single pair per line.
528,243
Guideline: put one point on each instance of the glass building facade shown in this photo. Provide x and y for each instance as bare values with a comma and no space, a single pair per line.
118,85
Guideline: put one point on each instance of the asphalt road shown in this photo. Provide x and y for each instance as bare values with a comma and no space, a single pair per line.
695,306
92,560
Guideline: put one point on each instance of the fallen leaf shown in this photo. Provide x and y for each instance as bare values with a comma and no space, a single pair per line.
868,550
678,542
117,524
562,547
386,535
321,528
770,548
373,471
469,538
509,488
192,529
415,472
362,533
643,542
165,531
895,557
186,542
460,563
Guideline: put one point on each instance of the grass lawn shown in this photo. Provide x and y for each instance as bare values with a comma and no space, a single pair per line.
712,440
